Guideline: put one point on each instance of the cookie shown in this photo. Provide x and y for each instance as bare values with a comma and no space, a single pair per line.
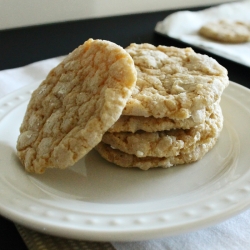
144,144
128,160
166,143
173,82
226,31
132,124
75,105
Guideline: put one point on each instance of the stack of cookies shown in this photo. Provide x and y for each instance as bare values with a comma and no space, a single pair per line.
141,107
173,115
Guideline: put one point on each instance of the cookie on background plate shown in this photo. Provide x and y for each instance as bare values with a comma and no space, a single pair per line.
75,105
173,82
226,31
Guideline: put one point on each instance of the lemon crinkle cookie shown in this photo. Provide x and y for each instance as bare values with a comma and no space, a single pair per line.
173,82
226,31
75,105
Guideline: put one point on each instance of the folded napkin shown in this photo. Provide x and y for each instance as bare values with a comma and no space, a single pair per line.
229,235
39,241
184,25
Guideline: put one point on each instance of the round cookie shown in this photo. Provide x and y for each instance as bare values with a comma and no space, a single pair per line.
75,105
142,144
173,82
128,160
226,31
166,143
132,124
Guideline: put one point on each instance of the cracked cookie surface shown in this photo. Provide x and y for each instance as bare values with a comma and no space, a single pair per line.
75,105
173,82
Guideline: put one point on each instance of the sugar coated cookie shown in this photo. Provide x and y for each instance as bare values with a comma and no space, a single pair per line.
173,82
75,105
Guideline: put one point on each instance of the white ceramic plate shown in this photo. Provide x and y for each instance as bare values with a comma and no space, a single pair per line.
97,200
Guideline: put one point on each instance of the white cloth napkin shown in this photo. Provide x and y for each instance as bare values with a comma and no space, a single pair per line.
184,25
13,79
231,234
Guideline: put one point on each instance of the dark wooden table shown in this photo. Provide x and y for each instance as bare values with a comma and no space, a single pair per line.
22,46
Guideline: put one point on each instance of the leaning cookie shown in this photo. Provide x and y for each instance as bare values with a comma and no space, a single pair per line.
226,31
75,105
173,82
166,143
128,160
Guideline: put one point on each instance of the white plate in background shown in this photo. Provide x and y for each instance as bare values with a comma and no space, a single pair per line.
184,26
